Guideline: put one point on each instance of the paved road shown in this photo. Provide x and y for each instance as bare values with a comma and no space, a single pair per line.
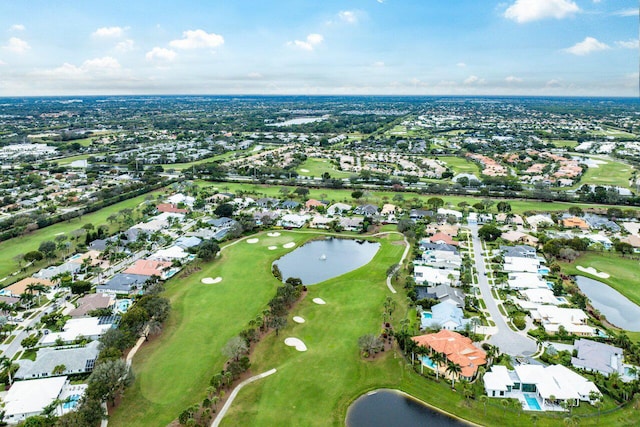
505,339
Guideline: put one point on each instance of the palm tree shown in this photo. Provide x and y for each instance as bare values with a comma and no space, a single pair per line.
534,420
37,287
438,359
484,399
454,370
7,364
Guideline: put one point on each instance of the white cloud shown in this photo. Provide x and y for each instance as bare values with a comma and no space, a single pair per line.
473,80
125,46
2,63
533,10
108,32
17,27
17,45
161,54
254,75
378,64
553,83
311,42
627,12
629,44
586,46
195,39
513,79
348,16
461,64
98,66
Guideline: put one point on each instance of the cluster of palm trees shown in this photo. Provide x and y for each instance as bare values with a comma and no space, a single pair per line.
27,297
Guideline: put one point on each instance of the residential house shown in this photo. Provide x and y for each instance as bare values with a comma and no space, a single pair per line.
595,356
186,242
313,204
147,267
548,385
519,251
169,254
290,205
519,237
606,243
57,270
122,283
171,208
339,209
538,221
91,302
442,238
416,214
433,276
444,213
599,222
75,360
90,328
20,287
457,349
519,264
293,221
267,202
573,320
542,296
351,224
366,210
446,315
441,293
574,222
28,398
320,221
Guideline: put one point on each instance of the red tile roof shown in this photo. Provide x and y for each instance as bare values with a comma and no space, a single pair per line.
145,267
170,208
458,349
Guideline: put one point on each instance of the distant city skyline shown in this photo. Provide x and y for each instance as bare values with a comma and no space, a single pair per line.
359,47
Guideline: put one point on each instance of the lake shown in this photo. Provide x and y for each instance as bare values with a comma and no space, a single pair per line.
320,260
384,408
619,310
298,121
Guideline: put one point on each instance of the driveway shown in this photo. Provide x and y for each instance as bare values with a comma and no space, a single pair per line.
507,340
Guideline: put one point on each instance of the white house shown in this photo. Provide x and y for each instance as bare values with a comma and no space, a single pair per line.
552,318
525,265
434,276
520,280
448,212
547,385
84,327
28,398
541,296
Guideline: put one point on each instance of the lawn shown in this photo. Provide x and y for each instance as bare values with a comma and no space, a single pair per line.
563,143
68,160
174,371
611,173
316,167
623,271
182,166
460,165
24,244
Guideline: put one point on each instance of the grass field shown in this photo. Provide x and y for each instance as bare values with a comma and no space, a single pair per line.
623,271
563,143
611,173
316,167
24,244
460,165
69,160
182,166
174,371
379,197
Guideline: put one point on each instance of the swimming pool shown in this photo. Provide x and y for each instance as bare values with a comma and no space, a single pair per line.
72,403
123,305
426,315
76,256
532,402
428,362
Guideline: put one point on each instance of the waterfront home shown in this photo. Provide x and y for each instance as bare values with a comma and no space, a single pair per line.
457,349
595,356
552,318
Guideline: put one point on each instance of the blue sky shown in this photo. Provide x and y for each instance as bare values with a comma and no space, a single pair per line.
420,47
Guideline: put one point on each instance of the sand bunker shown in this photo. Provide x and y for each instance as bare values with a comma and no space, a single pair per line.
273,248
273,234
304,170
211,281
297,343
252,241
593,271
298,319
288,245
319,301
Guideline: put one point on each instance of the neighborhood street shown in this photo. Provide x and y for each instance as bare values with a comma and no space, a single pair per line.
507,340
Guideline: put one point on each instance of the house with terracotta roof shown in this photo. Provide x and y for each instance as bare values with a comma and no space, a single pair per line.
575,222
147,267
457,348
313,203
443,238
170,208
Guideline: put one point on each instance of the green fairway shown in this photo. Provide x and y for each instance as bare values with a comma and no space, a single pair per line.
610,173
623,271
316,167
68,160
518,206
174,371
182,166
563,143
460,165
24,244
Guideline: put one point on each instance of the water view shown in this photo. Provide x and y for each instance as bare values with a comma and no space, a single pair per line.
619,310
391,408
321,260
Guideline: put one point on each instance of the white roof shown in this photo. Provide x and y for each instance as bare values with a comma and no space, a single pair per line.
523,280
543,296
443,211
85,326
30,397
497,378
527,265
174,252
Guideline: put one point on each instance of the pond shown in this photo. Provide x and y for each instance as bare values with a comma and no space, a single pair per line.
321,260
618,309
384,408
